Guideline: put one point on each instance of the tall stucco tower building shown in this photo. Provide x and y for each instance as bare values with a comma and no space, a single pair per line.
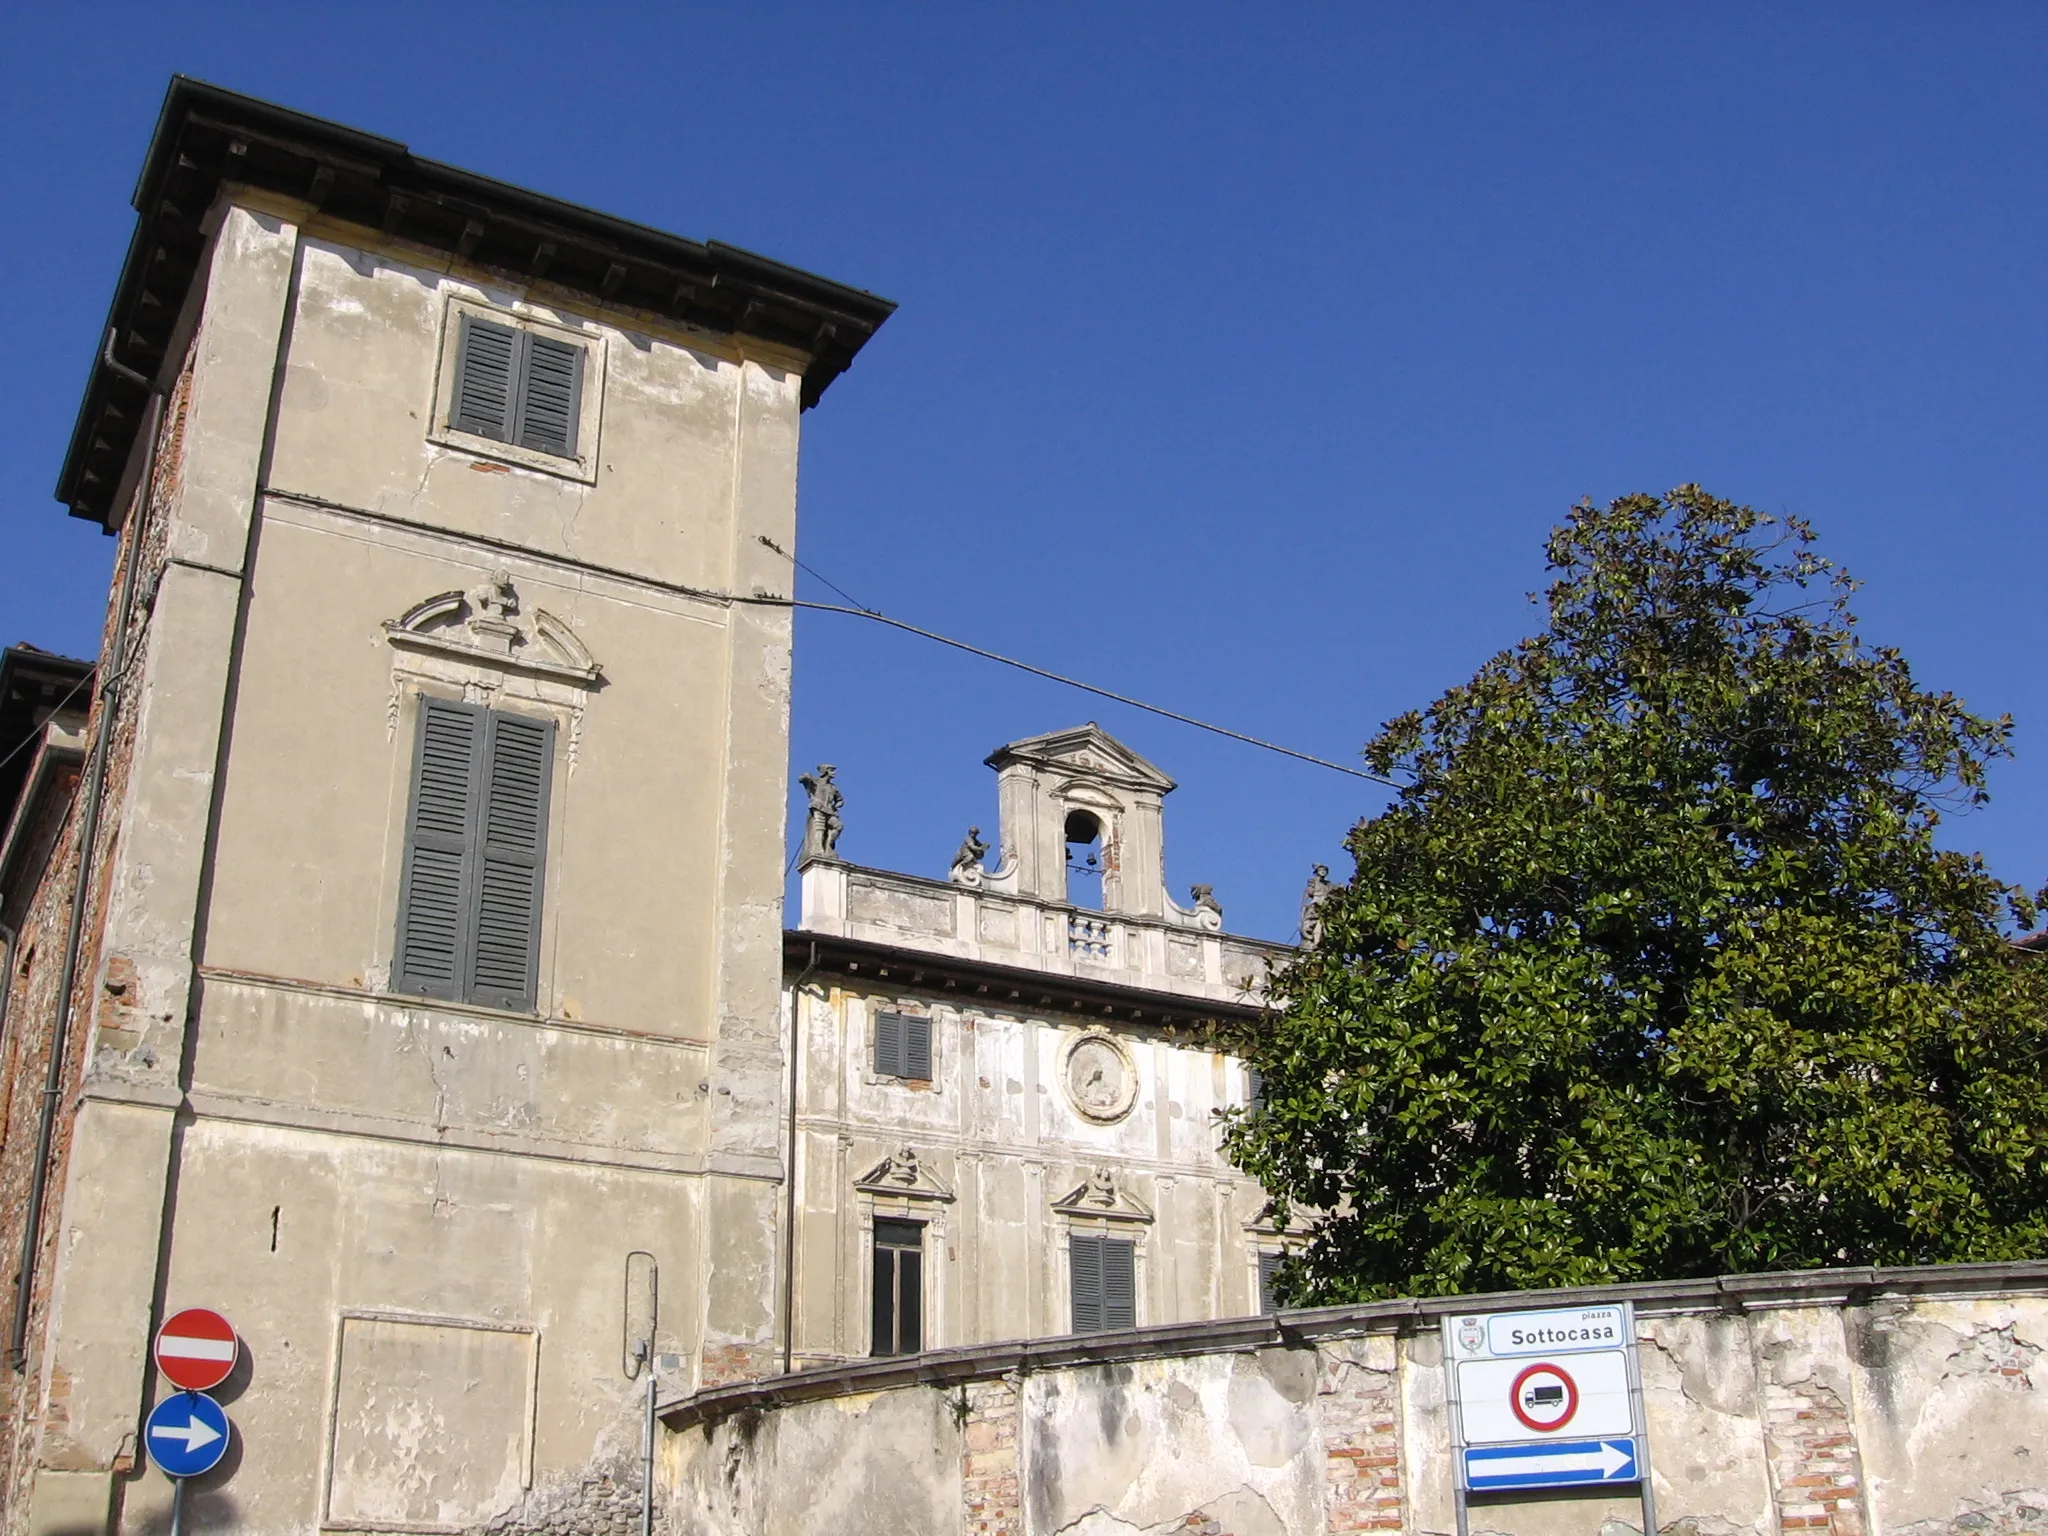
417,1006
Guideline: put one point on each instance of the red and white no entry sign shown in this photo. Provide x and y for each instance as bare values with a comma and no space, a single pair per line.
1544,1396
196,1349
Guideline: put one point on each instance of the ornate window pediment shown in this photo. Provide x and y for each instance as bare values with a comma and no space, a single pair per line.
1103,1198
482,628
902,1174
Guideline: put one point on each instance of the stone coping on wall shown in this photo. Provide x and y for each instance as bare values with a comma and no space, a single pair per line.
983,1362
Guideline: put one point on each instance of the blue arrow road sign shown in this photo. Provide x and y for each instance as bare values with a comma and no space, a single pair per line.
1552,1464
187,1434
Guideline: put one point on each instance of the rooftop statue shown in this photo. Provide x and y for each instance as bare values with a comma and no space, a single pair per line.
967,868
822,823
1312,899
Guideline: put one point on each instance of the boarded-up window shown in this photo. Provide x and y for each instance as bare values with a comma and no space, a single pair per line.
1103,1281
517,386
903,1045
431,1425
899,1287
476,837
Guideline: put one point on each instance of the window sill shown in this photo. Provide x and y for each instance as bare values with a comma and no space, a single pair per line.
582,470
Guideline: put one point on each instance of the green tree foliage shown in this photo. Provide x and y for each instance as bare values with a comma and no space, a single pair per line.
1654,968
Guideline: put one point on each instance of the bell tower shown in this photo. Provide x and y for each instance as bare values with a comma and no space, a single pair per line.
1081,788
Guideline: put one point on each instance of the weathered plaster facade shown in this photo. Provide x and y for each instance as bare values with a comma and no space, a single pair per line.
418,1213
1070,1091
1846,1402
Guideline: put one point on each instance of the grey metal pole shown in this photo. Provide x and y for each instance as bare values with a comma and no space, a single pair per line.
177,1506
1640,1443
647,1458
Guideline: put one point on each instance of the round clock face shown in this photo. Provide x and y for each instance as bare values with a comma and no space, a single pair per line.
1099,1078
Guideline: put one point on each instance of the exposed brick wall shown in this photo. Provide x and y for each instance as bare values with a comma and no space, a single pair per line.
31,1020
36,1400
725,1364
1359,1405
1816,1475
990,1487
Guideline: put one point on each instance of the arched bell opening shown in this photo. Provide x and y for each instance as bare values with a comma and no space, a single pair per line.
1084,859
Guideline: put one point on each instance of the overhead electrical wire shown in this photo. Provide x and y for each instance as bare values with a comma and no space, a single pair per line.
861,611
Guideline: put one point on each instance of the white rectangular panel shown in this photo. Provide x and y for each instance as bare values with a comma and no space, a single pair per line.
1598,1383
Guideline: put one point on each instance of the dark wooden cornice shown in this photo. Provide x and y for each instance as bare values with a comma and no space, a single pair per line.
206,136
1010,988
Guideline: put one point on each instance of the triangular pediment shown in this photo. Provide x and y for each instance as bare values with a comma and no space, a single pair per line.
1104,1196
1084,751
903,1174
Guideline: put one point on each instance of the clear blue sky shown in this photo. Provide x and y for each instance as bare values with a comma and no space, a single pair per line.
1245,354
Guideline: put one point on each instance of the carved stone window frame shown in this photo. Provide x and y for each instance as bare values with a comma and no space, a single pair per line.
926,1202
449,646
444,642
1129,1219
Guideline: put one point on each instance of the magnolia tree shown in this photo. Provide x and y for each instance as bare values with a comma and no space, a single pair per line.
1653,967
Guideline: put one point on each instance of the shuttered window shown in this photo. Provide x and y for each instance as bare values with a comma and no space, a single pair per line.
899,1288
903,1046
1103,1280
1255,1087
469,898
1269,1266
517,386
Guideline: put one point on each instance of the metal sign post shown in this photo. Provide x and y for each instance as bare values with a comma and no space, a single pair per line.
1547,1399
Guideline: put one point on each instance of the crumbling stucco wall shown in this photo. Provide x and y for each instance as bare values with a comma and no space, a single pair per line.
1848,1403
254,1118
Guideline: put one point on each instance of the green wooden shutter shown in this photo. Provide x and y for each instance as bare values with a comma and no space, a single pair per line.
550,395
1269,1266
1255,1087
511,846
1119,1283
486,379
435,891
917,1047
1084,1265
889,1045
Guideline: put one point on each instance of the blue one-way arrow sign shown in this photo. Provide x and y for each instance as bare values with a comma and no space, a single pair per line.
1557,1464
187,1434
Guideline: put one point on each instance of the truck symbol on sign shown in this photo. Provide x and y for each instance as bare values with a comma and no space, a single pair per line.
1544,1397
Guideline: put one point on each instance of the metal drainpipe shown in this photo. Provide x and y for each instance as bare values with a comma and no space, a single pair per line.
796,1034
88,838
7,979
647,1457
